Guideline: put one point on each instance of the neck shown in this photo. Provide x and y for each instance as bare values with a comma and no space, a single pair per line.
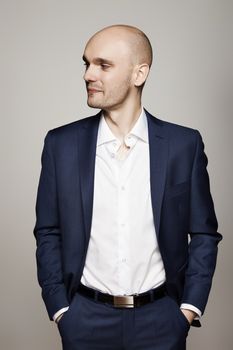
122,120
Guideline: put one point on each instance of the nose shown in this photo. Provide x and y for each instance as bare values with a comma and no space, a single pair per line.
90,74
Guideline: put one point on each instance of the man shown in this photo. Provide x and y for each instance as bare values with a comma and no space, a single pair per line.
120,194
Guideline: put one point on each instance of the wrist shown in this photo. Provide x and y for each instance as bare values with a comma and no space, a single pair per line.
60,312
189,314
59,317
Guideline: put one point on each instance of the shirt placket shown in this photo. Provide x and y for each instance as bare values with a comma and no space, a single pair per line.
123,228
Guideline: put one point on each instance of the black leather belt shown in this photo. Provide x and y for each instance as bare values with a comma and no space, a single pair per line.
123,301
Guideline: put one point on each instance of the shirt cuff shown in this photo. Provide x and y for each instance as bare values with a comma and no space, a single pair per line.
192,308
59,312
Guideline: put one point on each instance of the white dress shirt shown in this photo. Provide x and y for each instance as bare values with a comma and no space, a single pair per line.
123,256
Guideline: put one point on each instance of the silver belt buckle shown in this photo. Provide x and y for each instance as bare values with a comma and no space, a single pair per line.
123,301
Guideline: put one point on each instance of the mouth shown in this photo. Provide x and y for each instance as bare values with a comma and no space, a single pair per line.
93,90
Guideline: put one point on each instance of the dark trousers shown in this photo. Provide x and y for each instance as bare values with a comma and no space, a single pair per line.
92,325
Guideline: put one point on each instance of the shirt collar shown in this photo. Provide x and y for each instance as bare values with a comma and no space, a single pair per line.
140,130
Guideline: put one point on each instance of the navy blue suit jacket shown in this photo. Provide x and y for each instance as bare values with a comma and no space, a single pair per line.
184,216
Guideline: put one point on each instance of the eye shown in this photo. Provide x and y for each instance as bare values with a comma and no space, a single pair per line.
86,64
104,66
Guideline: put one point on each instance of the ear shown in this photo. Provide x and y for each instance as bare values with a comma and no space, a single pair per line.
141,74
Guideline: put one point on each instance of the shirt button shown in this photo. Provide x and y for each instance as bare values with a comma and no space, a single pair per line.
123,260
122,225
123,188
112,155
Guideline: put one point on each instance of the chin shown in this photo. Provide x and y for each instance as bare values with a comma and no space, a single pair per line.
93,104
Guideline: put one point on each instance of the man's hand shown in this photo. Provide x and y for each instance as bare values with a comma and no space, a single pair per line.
189,314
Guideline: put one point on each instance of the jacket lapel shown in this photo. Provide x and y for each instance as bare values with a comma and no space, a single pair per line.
158,148
87,139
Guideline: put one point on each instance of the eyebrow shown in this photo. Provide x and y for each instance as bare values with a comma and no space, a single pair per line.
98,60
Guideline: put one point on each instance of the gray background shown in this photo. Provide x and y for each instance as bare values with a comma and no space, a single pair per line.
42,87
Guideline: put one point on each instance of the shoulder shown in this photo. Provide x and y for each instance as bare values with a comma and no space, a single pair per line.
69,131
75,125
173,131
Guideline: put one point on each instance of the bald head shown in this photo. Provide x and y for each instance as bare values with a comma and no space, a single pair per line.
138,43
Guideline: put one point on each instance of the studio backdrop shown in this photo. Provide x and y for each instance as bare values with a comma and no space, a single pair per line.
41,69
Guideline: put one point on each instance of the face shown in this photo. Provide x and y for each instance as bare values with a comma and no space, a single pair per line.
109,71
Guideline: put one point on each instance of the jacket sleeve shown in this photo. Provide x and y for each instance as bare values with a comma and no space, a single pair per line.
203,227
48,235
